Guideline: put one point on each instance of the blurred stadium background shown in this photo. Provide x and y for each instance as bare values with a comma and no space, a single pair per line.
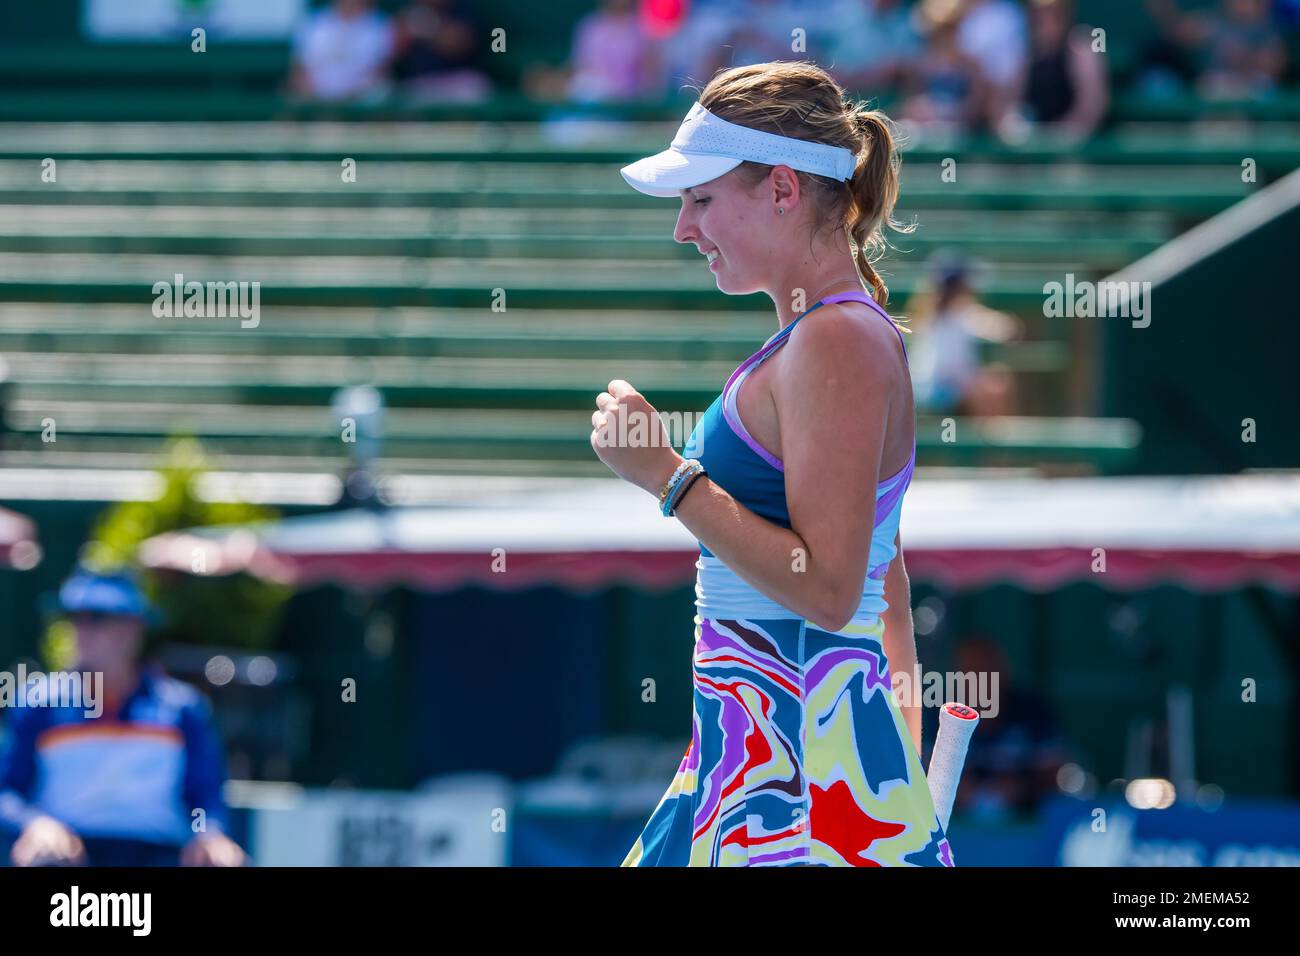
450,268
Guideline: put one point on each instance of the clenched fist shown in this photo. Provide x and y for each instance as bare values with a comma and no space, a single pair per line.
629,436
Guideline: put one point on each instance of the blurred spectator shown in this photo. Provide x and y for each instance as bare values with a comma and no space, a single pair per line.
1014,757
762,31
944,88
1238,50
341,52
435,46
117,783
994,34
692,50
950,325
873,42
1064,90
613,57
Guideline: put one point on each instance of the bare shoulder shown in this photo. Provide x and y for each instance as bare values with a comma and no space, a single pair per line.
847,341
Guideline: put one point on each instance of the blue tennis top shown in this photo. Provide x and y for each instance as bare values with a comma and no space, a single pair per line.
756,478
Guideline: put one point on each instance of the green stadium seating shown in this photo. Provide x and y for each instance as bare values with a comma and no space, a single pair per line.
390,280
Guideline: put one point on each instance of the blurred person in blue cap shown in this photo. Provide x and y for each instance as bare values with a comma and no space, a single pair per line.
122,786
951,325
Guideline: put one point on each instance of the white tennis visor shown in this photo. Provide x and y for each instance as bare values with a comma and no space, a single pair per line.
707,146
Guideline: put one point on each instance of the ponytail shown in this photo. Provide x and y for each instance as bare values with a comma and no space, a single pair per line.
873,191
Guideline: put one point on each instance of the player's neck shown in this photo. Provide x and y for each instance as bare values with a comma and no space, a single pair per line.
798,299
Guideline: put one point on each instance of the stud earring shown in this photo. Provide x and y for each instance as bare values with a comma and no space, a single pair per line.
780,211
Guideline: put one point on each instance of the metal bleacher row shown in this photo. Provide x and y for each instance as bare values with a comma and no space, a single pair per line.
389,280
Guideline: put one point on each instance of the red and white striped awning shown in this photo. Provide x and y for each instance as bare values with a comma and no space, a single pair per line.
1204,533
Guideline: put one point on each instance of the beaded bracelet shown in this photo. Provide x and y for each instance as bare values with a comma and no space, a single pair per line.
672,481
686,484
688,469
670,486
687,478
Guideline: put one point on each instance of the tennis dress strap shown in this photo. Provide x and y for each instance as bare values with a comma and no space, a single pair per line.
859,295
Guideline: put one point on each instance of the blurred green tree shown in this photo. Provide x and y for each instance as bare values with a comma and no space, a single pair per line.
231,610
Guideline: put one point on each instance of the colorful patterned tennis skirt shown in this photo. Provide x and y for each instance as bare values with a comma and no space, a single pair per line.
799,755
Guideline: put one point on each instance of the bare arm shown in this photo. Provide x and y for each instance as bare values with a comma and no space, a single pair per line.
1092,88
776,561
755,547
900,642
833,393
832,418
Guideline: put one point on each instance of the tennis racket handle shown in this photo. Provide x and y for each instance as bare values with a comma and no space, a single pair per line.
956,724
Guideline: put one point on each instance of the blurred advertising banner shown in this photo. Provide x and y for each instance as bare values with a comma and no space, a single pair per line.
1242,833
447,826
167,19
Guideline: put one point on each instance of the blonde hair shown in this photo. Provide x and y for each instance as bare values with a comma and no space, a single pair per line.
801,100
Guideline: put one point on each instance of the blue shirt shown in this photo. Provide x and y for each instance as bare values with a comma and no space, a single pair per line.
138,774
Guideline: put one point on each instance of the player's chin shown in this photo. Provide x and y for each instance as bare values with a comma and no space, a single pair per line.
734,285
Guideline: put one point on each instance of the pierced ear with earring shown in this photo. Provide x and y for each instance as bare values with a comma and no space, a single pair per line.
780,210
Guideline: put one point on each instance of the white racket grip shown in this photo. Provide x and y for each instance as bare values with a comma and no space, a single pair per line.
956,724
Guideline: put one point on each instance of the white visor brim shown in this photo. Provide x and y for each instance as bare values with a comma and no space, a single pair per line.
706,146
666,174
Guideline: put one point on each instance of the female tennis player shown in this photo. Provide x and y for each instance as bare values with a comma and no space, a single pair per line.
792,482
